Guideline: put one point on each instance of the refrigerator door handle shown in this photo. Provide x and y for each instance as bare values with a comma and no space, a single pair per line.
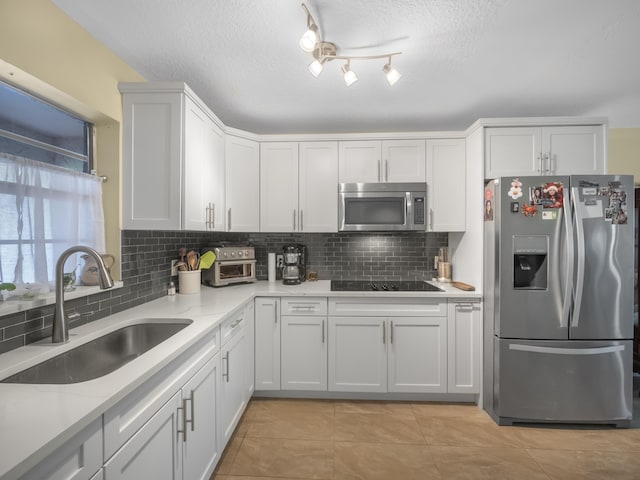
579,257
566,351
568,288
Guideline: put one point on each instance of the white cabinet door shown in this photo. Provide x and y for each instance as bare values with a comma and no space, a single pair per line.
232,385
242,173
464,338
78,459
197,168
215,181
318,187
267,349
446,185
359,162
279,187
403,161
249,316
357,354
201,451
418,354
151,164
512,151
304,353
154,451
573,150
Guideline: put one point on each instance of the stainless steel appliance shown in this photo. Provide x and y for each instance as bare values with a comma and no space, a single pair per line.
558,305
382,286
294,270
235,263
381,207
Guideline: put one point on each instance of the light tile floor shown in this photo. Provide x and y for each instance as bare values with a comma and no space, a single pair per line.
357,440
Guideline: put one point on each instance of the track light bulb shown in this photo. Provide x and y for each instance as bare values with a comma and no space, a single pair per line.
309,39
392,74
316,67
349,77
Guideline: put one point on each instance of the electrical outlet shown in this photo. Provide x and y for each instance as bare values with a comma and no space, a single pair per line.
174,269
279,261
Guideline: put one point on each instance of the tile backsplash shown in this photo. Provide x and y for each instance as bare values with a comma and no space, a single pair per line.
147,255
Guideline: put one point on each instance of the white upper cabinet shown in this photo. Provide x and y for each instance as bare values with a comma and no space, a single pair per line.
242,170
318,187
386,161
298,187
204,184
359,162
553,150
173,161
446,185
403,161
279,187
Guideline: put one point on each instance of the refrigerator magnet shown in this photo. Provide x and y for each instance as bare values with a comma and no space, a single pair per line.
515,207
549,215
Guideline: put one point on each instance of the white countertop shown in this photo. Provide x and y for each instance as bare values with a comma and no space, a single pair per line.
35,420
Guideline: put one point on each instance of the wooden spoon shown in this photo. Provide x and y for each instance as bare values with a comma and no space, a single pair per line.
192,260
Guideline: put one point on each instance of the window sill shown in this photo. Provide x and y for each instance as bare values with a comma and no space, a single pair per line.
16,304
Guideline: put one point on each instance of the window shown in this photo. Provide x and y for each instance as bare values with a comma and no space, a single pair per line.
48,201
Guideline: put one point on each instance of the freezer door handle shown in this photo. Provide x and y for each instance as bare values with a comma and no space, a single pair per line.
580,257
566,351
568,288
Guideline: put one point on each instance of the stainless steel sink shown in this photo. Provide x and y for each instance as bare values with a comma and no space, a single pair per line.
100,356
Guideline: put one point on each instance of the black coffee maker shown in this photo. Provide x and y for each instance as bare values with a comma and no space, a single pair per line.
294,270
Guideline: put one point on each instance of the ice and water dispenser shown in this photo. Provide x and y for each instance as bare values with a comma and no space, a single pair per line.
530,262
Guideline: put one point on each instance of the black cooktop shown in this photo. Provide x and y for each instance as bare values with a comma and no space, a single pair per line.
382,286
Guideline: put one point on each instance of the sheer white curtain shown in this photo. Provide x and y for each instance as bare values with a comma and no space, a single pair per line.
44,210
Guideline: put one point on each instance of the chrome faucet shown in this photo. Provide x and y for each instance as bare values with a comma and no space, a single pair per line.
60,330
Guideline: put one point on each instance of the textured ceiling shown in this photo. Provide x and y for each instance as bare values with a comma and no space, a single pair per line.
462,59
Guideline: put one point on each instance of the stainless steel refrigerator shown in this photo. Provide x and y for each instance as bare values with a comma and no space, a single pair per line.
558,305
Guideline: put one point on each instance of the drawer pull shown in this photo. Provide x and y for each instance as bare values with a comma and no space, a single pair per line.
235,324
384,331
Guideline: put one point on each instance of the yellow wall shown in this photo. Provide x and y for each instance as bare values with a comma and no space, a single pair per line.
46,52
624,151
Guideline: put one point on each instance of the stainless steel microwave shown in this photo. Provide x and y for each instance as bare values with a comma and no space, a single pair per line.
381,207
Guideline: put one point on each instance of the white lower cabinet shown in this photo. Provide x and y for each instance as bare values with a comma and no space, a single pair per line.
154,451
167,428
232,384
373,350
464,342
267,343
303,343
79,459
417,354
357,354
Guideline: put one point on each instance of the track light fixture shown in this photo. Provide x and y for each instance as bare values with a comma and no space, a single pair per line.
324,52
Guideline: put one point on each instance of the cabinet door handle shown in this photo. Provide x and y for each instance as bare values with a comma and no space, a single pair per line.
229,219
275,317
386,170
322,330
213,216
301,227
225,373
183,408
431,219
193,410
184,405
391,333
540,168
294,220
384,331
548,162
379,169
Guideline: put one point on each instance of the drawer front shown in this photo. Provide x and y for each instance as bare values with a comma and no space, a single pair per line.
231,325
303,306
384,307
124,419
